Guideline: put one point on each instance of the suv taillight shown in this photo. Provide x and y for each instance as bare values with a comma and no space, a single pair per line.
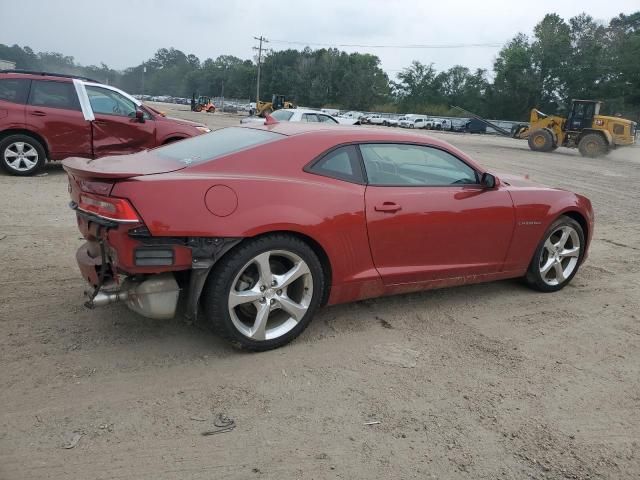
111,208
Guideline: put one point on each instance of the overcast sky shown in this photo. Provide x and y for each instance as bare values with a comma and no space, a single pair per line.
123,33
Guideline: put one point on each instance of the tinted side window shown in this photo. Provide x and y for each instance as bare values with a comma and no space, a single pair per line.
54,95
309,117
327,119
14,90
414,165
342,163
282,115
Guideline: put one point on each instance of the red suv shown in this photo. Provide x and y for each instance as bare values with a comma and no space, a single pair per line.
45,116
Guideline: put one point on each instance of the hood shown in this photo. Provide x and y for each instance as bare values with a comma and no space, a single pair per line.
121,166
512,180
182,121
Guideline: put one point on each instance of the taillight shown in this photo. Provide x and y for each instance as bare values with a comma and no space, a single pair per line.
111,208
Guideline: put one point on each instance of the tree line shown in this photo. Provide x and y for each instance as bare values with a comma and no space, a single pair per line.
578,58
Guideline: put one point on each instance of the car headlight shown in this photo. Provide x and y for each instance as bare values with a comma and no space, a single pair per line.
204,129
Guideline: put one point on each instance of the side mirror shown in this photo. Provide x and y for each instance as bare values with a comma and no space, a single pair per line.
488,180
140,116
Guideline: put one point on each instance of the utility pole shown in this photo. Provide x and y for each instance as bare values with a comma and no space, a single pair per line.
261,39
144,70
222,94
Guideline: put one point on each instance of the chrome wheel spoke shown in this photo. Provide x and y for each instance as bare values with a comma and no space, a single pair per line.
299,269
570,252
31,152
264,268
550,247
19,147
563,239
10,153
559,272
258,331
547,266
294,309
245,296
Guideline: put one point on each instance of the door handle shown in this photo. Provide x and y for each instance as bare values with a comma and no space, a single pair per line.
38,113
388,207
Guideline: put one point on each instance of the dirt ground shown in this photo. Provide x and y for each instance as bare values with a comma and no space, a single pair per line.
477,382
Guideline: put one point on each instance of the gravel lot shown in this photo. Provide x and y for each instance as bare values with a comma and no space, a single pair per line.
477,382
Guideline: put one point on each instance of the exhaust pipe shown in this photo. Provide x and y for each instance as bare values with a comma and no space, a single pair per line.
154,297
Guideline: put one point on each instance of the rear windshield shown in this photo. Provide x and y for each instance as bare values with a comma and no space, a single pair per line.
215,144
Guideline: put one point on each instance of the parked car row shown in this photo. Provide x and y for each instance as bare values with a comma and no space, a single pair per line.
231,106
305,115
425,122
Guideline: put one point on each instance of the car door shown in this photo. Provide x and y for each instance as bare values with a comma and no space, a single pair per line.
429,219
53,111
116,130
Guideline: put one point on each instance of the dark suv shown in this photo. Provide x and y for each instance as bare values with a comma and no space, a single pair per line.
45,116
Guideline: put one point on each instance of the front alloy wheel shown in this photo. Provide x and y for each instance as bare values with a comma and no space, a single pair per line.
558,257
263,293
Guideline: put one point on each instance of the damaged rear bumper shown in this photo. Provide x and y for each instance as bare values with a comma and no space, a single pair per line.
155,296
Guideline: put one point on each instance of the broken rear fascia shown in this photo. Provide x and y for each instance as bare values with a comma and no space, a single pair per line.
205,253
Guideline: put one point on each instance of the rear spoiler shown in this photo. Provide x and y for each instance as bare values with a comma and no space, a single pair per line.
81,167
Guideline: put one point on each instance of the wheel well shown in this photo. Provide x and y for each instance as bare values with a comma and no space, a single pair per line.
318,250
577,216
172,139
29,133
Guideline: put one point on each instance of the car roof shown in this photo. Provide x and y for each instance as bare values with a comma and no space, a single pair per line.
343,134
308,110
61,77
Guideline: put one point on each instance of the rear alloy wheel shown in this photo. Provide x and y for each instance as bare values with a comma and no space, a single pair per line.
265,292
592,145
558,256
21,155
541,141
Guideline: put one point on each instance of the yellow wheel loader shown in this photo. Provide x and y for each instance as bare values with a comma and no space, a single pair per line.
277,102
585,129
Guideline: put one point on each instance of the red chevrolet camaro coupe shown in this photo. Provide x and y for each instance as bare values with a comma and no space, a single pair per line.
254,228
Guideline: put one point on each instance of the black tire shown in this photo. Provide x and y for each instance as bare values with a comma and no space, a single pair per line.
534,277
234,263
541,141
21,168
592,145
